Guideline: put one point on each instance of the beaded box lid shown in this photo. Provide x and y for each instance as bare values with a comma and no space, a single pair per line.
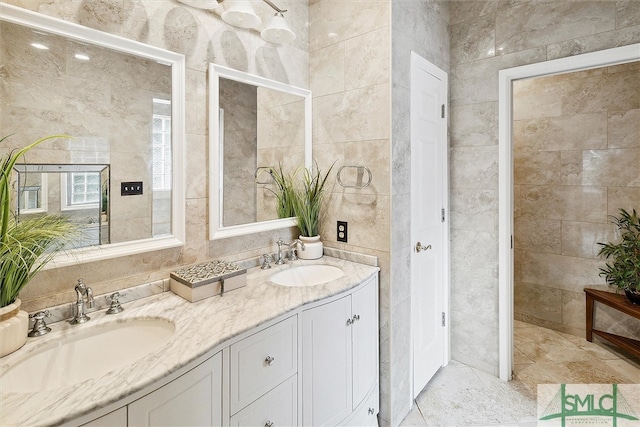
203,274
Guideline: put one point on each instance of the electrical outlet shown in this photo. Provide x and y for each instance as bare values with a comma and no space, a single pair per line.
133,188
342,231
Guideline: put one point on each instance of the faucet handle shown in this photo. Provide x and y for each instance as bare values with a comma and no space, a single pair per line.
266,259
39,327
116,306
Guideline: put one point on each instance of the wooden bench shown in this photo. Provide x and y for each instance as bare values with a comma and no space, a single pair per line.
617,302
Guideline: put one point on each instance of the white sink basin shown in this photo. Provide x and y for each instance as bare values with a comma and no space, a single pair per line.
85,354
307,275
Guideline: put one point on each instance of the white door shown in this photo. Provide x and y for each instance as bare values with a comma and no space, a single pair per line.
429,219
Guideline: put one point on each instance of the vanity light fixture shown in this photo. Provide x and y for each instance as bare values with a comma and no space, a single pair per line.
278,30
240,13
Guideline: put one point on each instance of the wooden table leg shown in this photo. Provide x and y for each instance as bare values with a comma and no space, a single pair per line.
590,304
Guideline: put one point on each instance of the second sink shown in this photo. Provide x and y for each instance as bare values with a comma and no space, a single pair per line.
307,275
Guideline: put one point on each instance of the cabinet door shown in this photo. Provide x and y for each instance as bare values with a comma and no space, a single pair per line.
277,408
326,363
194,399
364,304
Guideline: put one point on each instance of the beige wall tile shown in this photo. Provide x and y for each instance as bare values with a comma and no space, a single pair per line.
327,69
474,124
594,42
563,272
368,59
531,167
473,40
562,203
571,132
624,129
622,198
538,301
614,167
540,23
580,239
537,235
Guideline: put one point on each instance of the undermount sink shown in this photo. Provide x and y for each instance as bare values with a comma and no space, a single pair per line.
307,275
85,354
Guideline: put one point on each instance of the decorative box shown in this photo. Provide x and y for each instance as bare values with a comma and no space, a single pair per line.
202,281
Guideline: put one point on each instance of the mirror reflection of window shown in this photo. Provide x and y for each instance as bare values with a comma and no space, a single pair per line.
33,195
161,144
80,190
161,167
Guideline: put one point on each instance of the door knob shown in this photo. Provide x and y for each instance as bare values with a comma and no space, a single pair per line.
420,248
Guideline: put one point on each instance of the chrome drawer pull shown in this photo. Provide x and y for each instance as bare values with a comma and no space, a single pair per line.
269,360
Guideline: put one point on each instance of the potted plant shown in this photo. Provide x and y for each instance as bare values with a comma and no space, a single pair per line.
26,246
284,192
623,270
307,202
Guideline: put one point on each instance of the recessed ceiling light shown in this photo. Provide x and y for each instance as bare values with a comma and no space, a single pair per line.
39,46
81,56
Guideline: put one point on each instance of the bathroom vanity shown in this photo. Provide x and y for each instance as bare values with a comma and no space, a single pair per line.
265,354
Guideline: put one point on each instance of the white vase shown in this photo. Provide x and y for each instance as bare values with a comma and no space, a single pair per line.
312,247
14,325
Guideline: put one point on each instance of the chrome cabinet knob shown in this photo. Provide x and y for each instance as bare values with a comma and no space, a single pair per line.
371,411
269,360
420,247
269,424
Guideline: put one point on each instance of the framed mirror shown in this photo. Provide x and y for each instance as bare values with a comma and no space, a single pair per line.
78,192
122,104
257,127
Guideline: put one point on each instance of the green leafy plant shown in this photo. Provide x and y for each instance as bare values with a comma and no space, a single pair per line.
26,246
308,201
623,270
285,192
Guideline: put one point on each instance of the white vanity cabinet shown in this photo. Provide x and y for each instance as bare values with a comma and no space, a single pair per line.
193,399
340,360
318,366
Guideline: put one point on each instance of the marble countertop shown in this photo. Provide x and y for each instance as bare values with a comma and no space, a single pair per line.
200,328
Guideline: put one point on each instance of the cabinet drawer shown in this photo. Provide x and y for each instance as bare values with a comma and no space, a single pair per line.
262,361
278,408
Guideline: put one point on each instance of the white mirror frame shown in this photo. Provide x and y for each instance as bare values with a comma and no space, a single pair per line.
216,229
176,61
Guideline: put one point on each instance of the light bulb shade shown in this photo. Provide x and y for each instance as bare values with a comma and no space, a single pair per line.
241,14
201,4
278,30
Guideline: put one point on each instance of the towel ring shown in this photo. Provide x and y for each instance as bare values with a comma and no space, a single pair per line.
360,170
259,171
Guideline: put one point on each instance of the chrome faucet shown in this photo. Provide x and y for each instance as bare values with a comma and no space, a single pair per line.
292,249
292,255
82,292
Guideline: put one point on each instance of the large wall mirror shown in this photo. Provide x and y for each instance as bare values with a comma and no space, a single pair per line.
257,126
122,104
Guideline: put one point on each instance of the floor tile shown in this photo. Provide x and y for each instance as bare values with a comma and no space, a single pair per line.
459,395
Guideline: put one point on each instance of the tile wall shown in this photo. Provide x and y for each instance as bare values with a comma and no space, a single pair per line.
487,36
576,147
420,26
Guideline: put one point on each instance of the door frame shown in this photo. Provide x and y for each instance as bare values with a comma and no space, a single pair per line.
419,61
603,58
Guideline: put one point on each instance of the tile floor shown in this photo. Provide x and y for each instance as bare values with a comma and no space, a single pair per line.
459,395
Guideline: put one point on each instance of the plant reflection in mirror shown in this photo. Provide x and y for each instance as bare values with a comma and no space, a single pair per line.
26,246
